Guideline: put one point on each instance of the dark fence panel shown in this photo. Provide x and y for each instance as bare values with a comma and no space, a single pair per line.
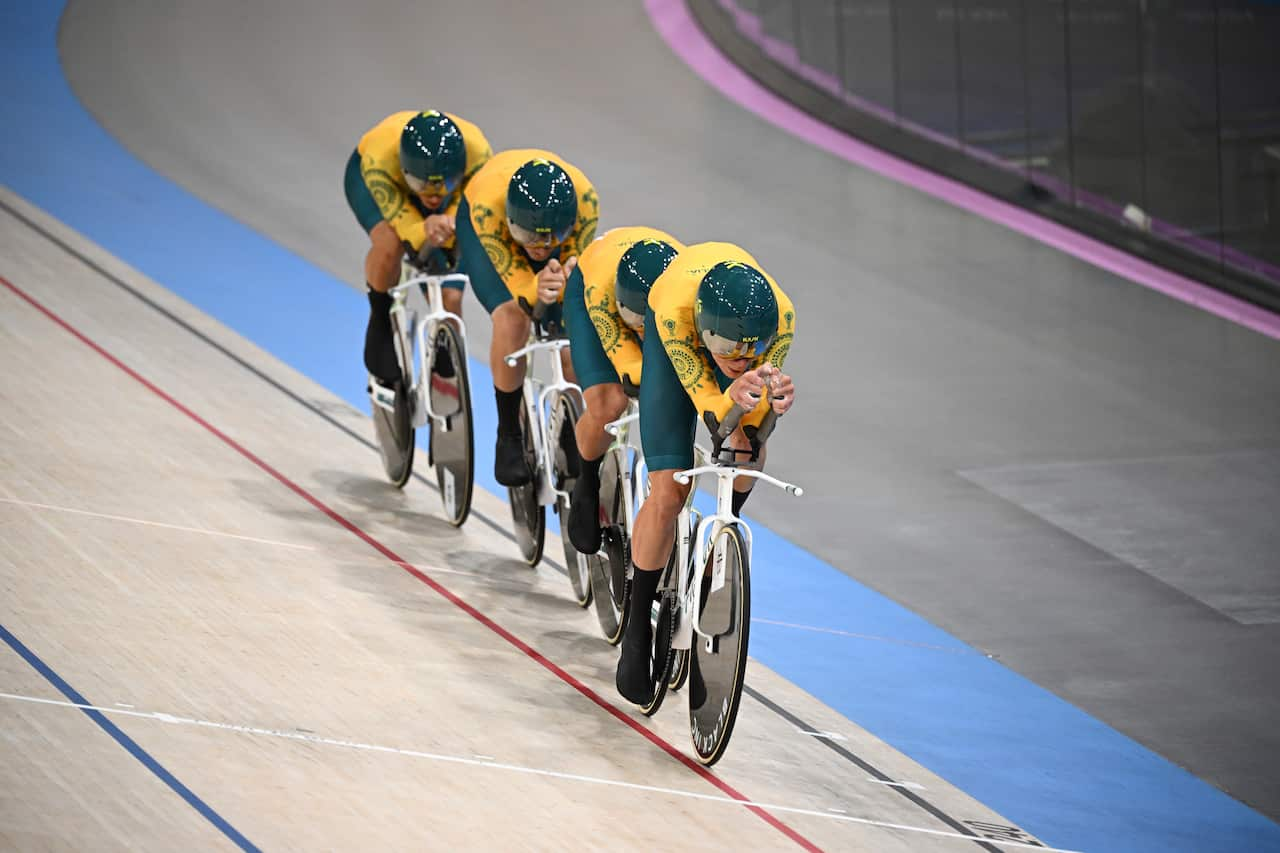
1156,115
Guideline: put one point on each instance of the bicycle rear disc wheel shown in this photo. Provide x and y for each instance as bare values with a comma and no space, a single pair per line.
716,674
453,442
529,516
564,471
395,434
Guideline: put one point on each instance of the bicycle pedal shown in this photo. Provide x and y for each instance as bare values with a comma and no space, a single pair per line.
382,396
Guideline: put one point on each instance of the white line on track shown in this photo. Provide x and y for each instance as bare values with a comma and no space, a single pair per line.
829,814
952,649
915,786
823,735
144,521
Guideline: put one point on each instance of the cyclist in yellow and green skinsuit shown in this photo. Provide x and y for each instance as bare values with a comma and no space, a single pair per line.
523,220
604,305
404,182
717,332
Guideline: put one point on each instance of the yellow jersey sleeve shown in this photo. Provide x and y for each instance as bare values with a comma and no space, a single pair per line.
672,299
380,167
599,265
487,198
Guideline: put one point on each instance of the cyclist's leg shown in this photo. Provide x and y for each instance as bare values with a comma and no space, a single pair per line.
381,271
605,402
667,422
510,332
742,485
451,295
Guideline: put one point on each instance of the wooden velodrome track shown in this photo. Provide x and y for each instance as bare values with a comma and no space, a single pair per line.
204,551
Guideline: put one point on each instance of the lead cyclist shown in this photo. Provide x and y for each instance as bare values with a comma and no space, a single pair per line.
717,331
404,183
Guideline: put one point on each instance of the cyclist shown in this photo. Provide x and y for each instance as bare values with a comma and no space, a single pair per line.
404,182
717,332
523,220
604,306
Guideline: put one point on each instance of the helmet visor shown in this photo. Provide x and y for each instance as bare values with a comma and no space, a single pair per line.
533,238
431,185
731,349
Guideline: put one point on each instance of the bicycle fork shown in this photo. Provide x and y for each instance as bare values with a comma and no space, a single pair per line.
418,314
688,593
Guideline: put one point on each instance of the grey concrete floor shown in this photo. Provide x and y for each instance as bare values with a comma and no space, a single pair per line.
941,360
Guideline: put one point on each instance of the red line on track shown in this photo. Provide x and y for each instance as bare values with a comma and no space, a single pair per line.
533,653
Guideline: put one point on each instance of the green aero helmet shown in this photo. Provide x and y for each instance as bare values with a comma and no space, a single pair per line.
638,269
432,153
542,204
736,312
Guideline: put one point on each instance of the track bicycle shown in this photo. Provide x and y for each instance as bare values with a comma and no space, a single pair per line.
549,412
703,613
434,391
624,484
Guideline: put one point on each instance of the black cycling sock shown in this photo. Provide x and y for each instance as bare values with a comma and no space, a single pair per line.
572,458
590,470
634,678
644,586
379,349
740,500
508,411
584,508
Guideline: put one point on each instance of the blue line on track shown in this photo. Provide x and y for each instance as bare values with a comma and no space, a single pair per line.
129,744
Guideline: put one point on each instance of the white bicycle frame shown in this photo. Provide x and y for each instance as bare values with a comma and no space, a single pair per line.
634,472
687,594
539,391
419,316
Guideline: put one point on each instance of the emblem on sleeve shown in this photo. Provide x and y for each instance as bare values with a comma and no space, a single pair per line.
499,253
688,365
386,194
780,349
607,327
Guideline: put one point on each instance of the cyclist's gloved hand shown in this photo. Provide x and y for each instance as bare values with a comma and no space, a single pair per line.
782,392
438,229
552,278
747,389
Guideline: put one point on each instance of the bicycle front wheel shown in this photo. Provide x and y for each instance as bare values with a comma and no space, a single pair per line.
529,516
453,439
718,667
